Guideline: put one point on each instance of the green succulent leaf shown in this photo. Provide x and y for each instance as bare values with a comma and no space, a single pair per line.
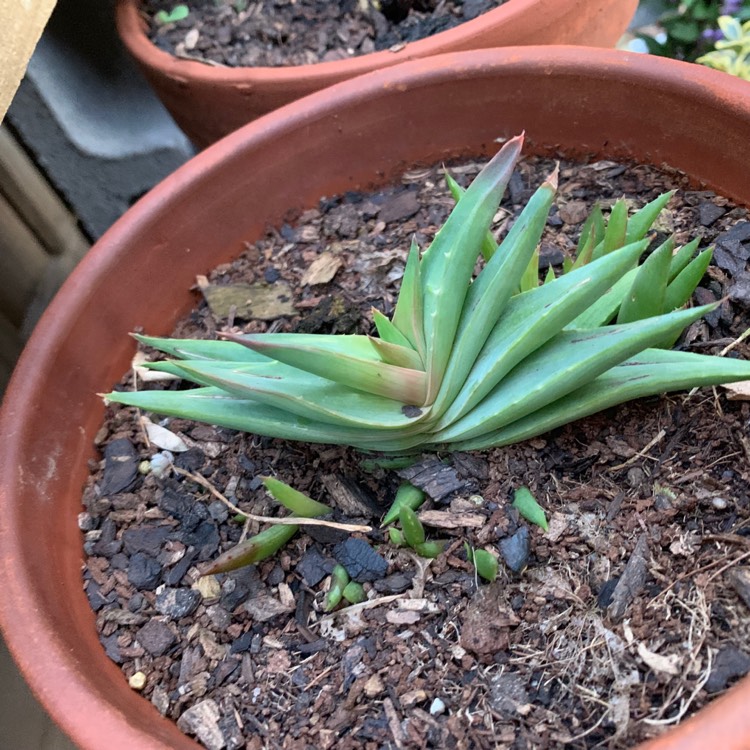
409,313
298,392
568,361
411,526
531,320
432,548
681,289
407,495
486,564
489,294
354,593
339,582
448,264
651,372
646,295
388,332
259,547
526,504
489,246
294,500
349,360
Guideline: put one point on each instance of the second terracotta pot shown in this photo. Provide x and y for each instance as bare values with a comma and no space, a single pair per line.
208,102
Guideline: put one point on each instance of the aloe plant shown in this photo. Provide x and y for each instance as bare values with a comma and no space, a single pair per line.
465,361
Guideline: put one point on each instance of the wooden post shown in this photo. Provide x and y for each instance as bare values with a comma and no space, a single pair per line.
21,25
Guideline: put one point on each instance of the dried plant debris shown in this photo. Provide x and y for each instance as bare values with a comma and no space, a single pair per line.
628,614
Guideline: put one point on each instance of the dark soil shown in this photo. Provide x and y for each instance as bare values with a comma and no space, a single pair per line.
628,615
301,32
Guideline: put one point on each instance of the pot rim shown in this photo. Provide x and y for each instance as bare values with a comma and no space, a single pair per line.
132,26
23,619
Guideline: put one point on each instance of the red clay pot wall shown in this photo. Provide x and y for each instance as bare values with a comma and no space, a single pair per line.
578,101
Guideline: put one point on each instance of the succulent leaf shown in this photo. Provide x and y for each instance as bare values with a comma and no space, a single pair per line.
409,313
648,373
646,295
490,292
349,360
387,331
569,360
532,319
448,264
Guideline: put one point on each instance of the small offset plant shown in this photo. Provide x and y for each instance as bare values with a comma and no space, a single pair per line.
731,53
467,362
178,13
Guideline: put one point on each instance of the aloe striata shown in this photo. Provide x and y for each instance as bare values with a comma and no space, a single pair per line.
467,362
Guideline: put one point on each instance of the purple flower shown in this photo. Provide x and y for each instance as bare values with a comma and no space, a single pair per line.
730,7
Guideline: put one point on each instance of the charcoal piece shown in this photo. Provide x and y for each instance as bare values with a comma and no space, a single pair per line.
111,648
550,255
399,207
144,572
205,538
727,261
191,460
120,467
740,290
177,603
515,550
604,599
176,573
361,561
508,695
733,238
240,585
156,637
108,545
436,479
730,663
313,567
325,534
707,297
242,644
184,508
394,584
146,539
709,212
96,599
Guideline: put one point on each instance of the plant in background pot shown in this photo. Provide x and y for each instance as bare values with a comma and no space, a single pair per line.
209,102
577,102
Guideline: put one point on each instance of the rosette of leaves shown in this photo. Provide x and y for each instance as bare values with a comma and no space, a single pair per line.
467,361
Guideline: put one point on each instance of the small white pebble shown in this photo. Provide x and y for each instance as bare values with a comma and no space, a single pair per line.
137,681
191,39
437,707
719,503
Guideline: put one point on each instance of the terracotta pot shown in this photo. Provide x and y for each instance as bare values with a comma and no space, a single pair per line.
209,102
356,134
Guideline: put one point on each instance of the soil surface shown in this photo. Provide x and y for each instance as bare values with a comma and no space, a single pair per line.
628,615
301,32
